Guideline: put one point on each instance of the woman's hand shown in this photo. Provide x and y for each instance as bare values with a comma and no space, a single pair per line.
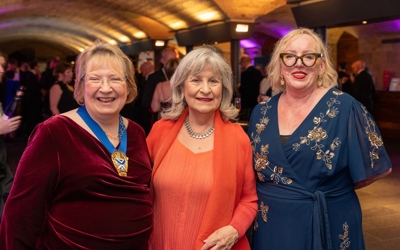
222,239
9,125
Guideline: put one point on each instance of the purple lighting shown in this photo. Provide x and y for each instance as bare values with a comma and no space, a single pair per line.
395,25
282,31
6,25
247,43
5,10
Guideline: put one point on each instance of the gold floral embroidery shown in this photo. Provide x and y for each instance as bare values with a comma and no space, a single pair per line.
263,209
318,134
277,176
345,237
374,139
335,143
261,177
261,161
260,127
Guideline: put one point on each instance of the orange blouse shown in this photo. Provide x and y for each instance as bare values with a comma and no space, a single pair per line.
233,199
181,190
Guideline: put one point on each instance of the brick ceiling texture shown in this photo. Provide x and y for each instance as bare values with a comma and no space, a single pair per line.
70,25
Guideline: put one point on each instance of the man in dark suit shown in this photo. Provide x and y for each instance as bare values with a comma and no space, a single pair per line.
134,110
363,85
250,79
344,79
151,83
46,81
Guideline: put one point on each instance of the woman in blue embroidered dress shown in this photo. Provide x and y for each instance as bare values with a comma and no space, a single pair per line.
313,145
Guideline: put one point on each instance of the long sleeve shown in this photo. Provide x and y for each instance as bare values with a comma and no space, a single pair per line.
33,186
65,186
246,209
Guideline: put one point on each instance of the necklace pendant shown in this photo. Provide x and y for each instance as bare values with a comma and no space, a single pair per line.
120,161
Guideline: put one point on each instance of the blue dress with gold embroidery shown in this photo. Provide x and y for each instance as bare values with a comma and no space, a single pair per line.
306,187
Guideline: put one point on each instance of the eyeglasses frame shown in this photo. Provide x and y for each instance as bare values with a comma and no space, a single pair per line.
84,78
317,55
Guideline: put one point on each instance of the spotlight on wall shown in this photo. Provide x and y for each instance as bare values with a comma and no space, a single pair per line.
159,43
242,27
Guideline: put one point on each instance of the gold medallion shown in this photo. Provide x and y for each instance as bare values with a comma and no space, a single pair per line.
120,161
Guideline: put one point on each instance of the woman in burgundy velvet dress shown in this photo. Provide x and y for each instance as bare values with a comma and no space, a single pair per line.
82,182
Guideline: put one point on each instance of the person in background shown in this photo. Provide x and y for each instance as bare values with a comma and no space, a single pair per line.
135,110
46,81
31,101
12,76
146,69
35,69
206,199
162,94
344,81
249,88
266,90
7,125
62,92
363,85
24,67
92,191
151,83
313,145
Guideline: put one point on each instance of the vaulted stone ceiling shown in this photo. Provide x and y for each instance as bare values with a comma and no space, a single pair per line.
66,26
73,24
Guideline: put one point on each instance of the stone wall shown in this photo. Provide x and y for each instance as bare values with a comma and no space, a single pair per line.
380,56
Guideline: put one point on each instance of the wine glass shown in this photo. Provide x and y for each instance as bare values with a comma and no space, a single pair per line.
238,104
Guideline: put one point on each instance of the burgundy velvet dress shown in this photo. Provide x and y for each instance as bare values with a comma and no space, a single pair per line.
67,194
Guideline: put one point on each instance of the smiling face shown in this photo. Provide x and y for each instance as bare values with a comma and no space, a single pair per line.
106,91
300,77
203,91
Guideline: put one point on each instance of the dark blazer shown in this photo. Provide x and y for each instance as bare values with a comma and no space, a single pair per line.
151,83
346,86
249,87
147,116
364,89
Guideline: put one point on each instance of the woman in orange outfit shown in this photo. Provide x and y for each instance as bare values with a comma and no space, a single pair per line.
202,182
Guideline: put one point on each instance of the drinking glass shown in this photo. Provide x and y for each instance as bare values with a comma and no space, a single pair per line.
238,104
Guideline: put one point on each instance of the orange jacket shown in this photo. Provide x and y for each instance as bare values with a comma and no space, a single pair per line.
233,199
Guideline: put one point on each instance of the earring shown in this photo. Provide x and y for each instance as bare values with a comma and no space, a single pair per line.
282,81
319,81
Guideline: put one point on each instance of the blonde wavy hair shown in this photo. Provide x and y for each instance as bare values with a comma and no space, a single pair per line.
193,63
329,77
103,53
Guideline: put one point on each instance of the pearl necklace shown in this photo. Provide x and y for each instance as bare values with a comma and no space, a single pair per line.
195,135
